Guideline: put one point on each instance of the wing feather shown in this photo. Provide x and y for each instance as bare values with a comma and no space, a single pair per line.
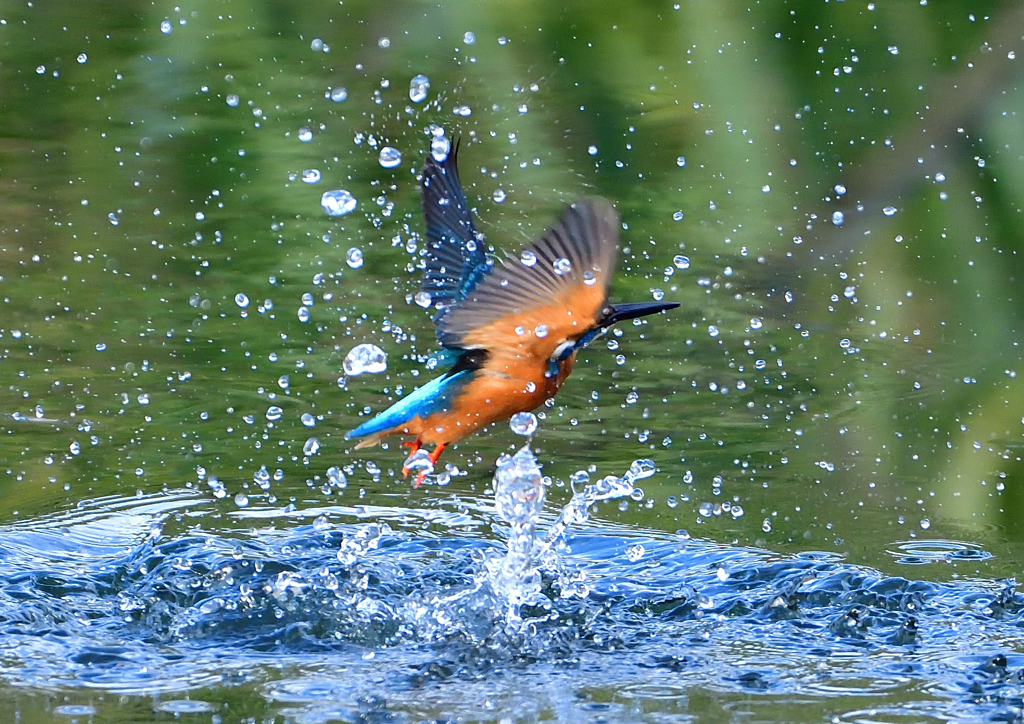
456,258
585,237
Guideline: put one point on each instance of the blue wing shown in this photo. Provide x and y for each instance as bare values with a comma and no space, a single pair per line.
433,396
456,254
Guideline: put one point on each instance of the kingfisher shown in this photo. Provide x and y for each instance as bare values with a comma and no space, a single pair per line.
510,327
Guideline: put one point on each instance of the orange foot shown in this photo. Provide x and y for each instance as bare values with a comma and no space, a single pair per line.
433,456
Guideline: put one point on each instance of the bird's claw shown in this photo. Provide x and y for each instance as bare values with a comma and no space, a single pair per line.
418,480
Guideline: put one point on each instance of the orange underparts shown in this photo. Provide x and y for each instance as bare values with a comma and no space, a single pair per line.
433,456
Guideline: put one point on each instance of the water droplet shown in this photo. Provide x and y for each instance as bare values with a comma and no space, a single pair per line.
312,447
681,262
523,423
755,323
541,330
634,552
241,500
712,330
838,218
592,150
274,413
336,478
241,300
765,189
940,177
316,45
311,176
339,94
101,347
305,135
640,470
232,100
677,216
166,27
423,299
498,196
338,202
632,397
469,37
562,266
82,57
308,419
389,157
889,210
365,359
354,257
528,258
839,189
303,314
681,161
112,218
464,111
439,147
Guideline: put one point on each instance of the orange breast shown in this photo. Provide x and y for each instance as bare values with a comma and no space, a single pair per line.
512,380
501,388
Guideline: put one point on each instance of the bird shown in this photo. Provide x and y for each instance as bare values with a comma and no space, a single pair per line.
510,326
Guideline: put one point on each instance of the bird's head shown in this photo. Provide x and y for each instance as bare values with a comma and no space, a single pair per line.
610,314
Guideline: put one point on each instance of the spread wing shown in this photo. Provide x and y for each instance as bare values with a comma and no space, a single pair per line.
456,255
561,281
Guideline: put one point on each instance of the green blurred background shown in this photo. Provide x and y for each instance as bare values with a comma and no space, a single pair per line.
842,178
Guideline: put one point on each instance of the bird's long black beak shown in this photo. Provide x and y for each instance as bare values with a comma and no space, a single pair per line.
632,310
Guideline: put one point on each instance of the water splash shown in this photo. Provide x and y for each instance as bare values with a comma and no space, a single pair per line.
519,497
516,578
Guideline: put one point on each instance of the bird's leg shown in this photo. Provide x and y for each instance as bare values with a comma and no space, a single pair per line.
437,452
413,446
432,457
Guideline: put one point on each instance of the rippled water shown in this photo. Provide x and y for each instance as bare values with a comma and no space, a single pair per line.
210,236
340,613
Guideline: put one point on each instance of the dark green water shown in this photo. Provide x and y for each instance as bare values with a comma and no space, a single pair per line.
830,190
